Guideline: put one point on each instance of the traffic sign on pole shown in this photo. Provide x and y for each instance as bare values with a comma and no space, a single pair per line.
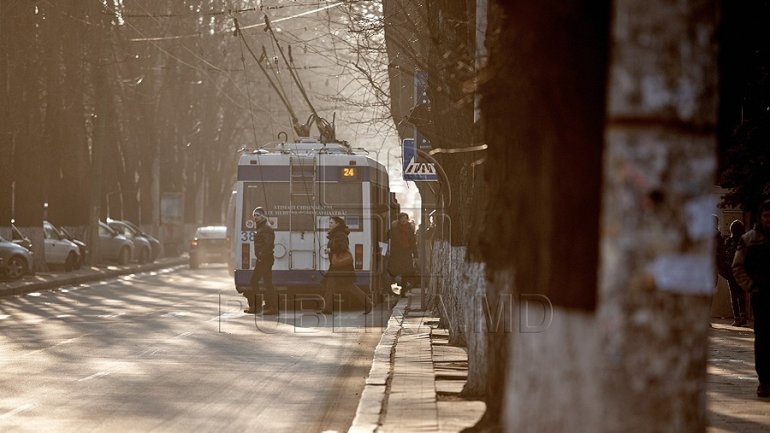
415,168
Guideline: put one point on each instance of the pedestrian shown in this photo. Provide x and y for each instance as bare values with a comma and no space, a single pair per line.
737,295
403,252
264,243
751,269
341,275
719,249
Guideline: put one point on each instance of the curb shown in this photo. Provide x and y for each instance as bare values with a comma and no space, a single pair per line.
373,400
21,287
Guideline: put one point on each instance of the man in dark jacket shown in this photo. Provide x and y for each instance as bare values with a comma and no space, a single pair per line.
751,269
264,243
403,252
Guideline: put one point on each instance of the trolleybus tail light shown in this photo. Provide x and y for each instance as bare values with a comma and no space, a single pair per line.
245,254
359,256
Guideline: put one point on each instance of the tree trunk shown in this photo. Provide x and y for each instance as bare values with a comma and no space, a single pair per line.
633,358
75,157
99,35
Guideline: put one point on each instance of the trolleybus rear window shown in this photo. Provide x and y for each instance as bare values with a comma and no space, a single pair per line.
297,209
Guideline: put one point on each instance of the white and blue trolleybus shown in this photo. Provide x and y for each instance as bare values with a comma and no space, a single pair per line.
301,185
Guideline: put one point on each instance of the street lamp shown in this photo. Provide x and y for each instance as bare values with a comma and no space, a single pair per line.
13,200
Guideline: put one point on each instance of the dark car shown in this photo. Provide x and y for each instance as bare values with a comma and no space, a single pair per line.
17,260
209,245
154,242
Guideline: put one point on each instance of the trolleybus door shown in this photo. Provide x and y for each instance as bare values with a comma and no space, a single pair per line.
302,204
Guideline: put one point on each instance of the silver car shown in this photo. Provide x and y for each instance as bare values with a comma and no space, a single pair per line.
114,246
154,242
16,259
59,250
82,247
142,246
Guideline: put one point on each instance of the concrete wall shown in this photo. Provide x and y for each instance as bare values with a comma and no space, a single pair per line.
456,290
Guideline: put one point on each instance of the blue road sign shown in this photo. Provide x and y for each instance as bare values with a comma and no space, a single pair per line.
415,168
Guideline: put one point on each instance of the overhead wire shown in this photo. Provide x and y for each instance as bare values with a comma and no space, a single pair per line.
248,94
253,122
251,26
283,98
220,89
324,128
318,51
322,54
275,72
166,52
214,13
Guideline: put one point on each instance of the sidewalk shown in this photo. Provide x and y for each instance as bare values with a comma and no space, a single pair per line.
415,380
53,280
731,397
416,377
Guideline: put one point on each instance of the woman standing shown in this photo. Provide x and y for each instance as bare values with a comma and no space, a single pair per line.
341,274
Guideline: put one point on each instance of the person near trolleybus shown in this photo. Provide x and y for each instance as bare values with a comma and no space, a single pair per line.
341,276
403,252
751,269
264,243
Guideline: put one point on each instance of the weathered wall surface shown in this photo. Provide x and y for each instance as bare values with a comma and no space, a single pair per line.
554,377
639,362
457,290
473,280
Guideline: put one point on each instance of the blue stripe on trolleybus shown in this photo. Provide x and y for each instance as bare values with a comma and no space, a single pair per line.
280,173
308,278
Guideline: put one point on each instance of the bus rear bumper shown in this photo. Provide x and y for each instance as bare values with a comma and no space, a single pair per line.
300,279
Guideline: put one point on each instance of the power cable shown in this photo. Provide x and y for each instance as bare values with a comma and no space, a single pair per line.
292,71
194,67
252,26
295,122
262,183
248,93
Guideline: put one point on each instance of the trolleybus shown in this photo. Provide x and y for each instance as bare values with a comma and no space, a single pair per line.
301,185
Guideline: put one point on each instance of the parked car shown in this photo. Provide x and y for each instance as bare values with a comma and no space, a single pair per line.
114,246
209,245
58,250
142,247
17,260
82,247
154,242
18,238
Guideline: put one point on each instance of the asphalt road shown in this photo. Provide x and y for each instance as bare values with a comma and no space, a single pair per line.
171,351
